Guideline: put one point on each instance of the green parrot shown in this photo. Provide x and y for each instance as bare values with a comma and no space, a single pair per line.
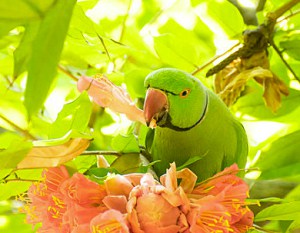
193,126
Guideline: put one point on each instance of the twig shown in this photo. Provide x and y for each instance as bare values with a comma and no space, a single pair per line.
18,128
101,153
20,179
283,60
289,16
274,15
104,46
124,21
266,30
215,58
67,72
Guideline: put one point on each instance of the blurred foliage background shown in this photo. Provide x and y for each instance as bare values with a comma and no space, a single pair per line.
46,45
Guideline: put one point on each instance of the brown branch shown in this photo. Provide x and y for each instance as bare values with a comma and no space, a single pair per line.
18,128
67,72
289,16
101,153
214,59
274,15
20,179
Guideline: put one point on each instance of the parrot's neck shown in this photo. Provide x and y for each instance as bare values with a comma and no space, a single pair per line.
170,125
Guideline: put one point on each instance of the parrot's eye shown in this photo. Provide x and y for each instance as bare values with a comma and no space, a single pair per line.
185,93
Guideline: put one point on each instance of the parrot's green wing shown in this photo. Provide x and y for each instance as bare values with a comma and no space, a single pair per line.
149,139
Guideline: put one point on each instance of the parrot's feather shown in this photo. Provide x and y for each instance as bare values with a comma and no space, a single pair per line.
192,125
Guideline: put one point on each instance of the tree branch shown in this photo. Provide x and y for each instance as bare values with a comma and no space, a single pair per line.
20,179
274,15
101,153
67,72
18,128
283,60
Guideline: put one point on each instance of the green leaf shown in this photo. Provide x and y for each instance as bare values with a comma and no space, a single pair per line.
130,163
252,104
13,149
13,188
23,53
11,221
23,10
227,16
134,80
247,12
294,227
285,211
74,116
5,27
125,143
181,48
292,48
190,161
99,174
46,54
278,159
64,139
83,163
282,172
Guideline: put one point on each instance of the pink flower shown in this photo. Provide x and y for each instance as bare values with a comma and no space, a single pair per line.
208,215
118,188
233,190
84,200
118,185
55,213
149,209
245,223
53,177
137,203
110,221
220,181
83,191
40,195
106,94
64,204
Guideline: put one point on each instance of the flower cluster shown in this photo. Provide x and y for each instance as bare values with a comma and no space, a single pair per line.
138,203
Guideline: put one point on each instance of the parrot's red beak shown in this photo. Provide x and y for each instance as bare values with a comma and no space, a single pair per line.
155,107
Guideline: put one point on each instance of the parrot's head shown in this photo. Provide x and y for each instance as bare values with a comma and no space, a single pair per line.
174,99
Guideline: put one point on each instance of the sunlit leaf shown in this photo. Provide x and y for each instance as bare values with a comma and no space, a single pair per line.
125,143
253,105
181,48
13,188
220,11
23,10
248,12
295,226
285,211
292,47
130,163
5,27
23,53
279,160
10,220
13,149
47,48
74,116
12,109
